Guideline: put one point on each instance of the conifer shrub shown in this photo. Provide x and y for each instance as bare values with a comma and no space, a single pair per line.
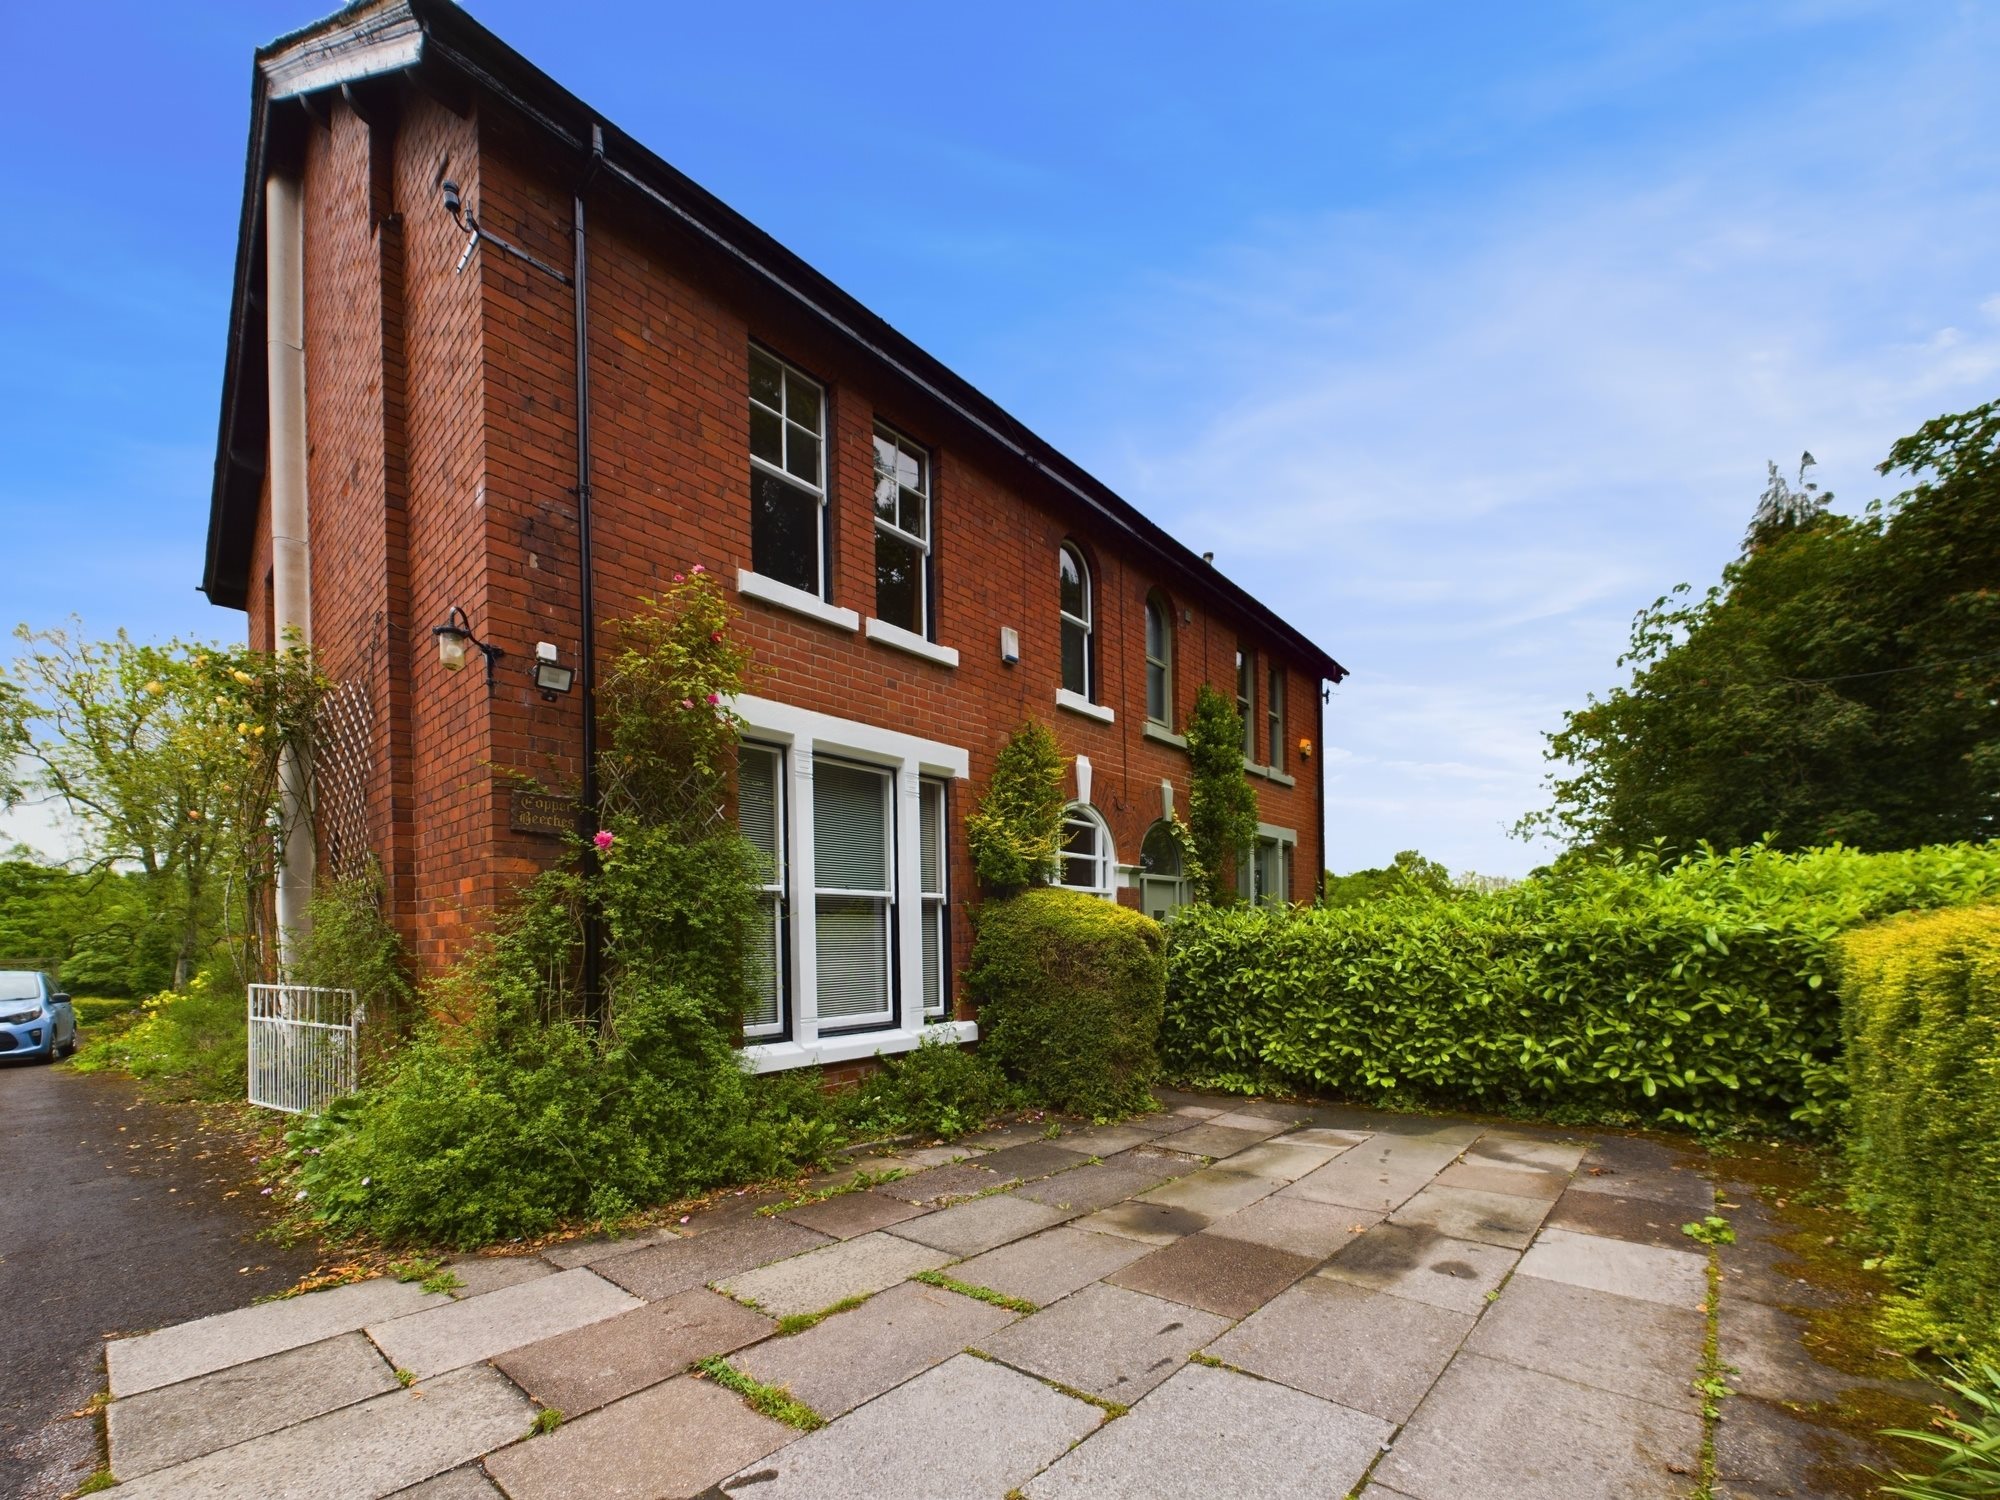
1015,834
1920,1002
1222,808
1070,990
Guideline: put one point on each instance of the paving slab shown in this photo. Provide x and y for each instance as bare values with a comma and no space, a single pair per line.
967,1430
922,1157
478,1274
1641,1349
1102,1140
1162,1124
1415,1261
1506,1148
171,1424
667,1270
1002,1136
1362,1349
1114,1343
376,1447
1030,1160
845,1215
1283,1159
969,1228
1092,1187
468,1483
858,1267
1158,1157
1767,1350
460,1333
1765,1453
1296,1224
1232,1278
855,1356
942,1184
1677,1278
1381,1175
1153,1223
1461,1213
668,1442
1646,1221
233,1338
1213,1138
1484,1176
583,1369
1325,1136
589,1252
1210,1432
1760,1266
1636,1168
1050,1265
1494,1431
1213,1191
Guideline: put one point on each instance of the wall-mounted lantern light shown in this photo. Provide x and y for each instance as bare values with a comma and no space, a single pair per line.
454,636
551,677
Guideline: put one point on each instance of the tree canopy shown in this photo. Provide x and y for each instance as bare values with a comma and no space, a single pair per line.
1841,683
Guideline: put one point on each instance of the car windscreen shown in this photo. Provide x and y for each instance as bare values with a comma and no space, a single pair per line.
20,987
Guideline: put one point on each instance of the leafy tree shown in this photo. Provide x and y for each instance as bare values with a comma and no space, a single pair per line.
1222,808
96,930
1015,834
168,758
1842,682
1407,873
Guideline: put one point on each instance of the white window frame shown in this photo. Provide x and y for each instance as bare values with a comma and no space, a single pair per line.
926,625
884,899
936,904
1248,884
817,489
1086,622
1106,858
776,889
1274,715
1246,698
805,734
1156,605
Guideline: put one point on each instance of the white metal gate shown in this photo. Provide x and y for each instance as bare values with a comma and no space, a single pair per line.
302,1046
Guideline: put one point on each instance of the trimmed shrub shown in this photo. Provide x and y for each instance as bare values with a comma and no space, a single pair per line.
1608,988
1222,807
941,1089
1070,989
1921,1012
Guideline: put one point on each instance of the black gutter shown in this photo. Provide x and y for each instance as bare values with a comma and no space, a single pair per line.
593,925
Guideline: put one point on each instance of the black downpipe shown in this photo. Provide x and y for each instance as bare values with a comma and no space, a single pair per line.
593,926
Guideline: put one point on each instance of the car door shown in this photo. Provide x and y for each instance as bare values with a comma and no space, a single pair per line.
62,1015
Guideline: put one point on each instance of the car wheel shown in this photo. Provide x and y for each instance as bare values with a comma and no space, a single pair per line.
68,1048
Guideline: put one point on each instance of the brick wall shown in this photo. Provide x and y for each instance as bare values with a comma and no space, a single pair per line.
441,413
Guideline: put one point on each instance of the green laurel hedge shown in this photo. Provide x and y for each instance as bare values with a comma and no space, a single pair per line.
1070,990
1616,987
1921,1007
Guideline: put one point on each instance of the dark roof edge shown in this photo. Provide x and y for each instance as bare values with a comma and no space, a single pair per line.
455,38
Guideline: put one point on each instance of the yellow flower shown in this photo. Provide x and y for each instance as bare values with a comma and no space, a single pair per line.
156,688
242,676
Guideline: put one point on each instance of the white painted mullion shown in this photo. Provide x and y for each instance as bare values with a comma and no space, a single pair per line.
805,907
909,1008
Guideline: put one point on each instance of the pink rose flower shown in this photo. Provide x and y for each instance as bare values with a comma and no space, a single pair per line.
687,703
680,578
714,699
602,839
698,568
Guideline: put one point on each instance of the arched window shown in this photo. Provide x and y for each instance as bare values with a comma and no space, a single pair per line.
1159,661
1087,860
1074,596
1163,884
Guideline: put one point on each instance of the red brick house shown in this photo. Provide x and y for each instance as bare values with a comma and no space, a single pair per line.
432,230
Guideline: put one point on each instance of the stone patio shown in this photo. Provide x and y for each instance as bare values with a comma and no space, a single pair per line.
1239,1298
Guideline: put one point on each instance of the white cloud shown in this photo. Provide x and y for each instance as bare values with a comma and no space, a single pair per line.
1462,442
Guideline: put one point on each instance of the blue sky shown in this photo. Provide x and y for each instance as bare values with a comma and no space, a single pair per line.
1458,332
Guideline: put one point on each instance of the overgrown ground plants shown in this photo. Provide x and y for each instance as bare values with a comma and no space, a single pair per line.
516,1112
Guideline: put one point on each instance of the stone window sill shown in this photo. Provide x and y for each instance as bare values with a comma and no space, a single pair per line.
894,636
1163,735
1269,773
774,1057
798,601
1076,703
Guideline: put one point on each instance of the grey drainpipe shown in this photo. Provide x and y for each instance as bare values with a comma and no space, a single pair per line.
291,552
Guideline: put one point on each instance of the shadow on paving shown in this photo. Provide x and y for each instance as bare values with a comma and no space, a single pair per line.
111,1220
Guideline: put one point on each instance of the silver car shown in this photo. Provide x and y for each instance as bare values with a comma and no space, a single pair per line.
36,1018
